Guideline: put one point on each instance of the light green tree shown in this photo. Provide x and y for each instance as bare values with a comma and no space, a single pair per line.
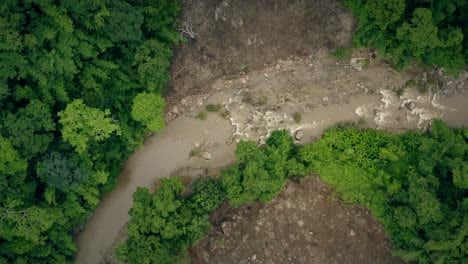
148,110
83,124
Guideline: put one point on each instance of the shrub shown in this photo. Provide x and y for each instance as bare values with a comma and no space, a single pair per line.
208,194
213,107
202,115
297,117
342,53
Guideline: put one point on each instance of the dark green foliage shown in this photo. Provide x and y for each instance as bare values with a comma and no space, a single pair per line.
213,107
60,172
260,173
430,32
208,194
297,117
164,224
69,71
30,129
416,184
202,115
342,53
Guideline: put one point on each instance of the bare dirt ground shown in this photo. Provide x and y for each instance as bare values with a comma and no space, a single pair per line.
235,37
306,224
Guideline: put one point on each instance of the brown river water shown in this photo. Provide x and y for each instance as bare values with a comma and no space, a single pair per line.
168,150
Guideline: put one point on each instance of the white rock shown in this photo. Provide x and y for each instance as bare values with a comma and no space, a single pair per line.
205,155
299,135
357,63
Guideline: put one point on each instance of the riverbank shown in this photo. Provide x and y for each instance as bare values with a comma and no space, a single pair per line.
323,90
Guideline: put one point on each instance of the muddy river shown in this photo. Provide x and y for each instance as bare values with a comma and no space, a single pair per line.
258,103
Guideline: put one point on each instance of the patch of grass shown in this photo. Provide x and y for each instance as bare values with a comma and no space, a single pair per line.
362,121
195,152
365,63
261,101
400,90
297,117
202,115
411,83
423,88
342,53
250,99
213,107
219,242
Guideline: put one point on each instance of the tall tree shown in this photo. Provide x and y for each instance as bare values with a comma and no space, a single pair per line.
81,125
148,109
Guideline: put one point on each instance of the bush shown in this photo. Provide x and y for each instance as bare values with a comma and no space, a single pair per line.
208,194
213,107
202,115
260,173
297,117
342,53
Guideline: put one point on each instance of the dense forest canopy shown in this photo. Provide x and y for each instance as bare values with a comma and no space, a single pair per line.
432,32
80,84
415,183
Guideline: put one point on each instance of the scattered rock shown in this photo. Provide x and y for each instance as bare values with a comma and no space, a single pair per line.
359,63
205,155
325,99
410,106
253,257
352,233
299,135
228,228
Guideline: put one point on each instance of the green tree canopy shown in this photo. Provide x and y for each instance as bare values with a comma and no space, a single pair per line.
162,225
30,129
82,124
60,172
69,71
429,32
148,109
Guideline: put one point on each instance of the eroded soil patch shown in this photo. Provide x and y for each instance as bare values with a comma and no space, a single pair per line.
306,223
233,37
